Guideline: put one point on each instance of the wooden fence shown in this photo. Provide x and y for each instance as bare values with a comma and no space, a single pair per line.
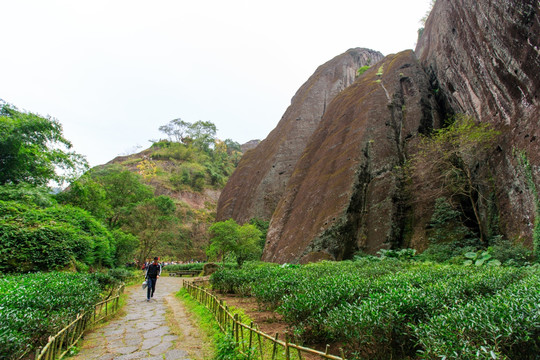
60,344
252,342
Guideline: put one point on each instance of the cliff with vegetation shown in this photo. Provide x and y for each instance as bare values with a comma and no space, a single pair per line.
432,149
483,59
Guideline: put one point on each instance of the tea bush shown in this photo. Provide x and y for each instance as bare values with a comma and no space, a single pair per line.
503,326
34,306
372,307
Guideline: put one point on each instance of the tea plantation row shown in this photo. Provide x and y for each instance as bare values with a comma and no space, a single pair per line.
393,309
34,306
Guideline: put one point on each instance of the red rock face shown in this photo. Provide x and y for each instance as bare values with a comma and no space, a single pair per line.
346,190
258,183
484,57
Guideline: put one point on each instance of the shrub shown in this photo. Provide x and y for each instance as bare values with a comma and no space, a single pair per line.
502,326
36,239
34,306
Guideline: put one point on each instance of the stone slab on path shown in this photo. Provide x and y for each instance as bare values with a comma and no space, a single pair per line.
144,331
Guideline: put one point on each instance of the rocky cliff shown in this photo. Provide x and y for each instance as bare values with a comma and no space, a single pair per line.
260,179
346,192
483,57
337,184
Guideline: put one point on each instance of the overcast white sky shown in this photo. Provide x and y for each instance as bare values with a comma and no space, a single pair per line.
113,71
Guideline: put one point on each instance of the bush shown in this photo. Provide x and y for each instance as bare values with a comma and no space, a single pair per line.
502,326
120,274
34,306
368,305
37,239
509,253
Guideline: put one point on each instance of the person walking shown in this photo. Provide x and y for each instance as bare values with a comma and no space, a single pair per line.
153,271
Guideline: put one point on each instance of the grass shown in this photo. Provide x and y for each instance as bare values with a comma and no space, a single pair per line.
204,319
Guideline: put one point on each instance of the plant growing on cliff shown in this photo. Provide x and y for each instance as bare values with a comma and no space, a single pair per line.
449,164
523,161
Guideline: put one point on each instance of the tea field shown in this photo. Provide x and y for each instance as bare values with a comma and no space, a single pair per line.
34,306
400,310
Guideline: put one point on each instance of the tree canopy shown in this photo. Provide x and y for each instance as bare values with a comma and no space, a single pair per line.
228,238
33,149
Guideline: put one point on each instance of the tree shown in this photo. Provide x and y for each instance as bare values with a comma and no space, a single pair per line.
34,150
122,189
248,245
203,134
229,238
152,221
176,129
447,164
223,238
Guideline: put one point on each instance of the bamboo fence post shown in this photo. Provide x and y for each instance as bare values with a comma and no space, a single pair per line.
326,350
342,353
260,346
287,352
235,325
250,334
275,346
299,354
242,336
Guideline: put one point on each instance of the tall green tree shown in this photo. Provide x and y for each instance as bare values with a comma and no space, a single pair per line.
33,149
107,192
152,221
229,238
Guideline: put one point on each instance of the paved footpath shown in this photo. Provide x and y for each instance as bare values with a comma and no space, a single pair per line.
143,332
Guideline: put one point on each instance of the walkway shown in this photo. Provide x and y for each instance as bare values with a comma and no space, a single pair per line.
159,329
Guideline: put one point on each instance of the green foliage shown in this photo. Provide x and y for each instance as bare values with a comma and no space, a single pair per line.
480,258
190,266
107,192
126,245
190,174
33,148
502,326
448,237
525,164
447,165
153,221
362,70
201,134
37,305
372,307
262,225
227,237
228,349
27,194
34,238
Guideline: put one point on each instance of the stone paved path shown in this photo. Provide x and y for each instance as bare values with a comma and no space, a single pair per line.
144,331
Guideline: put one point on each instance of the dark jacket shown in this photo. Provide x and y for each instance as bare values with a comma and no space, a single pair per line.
153,271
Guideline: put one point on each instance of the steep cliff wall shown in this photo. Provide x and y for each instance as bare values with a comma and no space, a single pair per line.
484,59
260,179
346,192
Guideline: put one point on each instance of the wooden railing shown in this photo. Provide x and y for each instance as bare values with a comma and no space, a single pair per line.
249,338
60,344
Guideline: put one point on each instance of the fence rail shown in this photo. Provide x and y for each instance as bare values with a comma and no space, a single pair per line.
254,343
60,344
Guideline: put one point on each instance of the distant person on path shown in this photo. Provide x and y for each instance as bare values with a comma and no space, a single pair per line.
152,274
